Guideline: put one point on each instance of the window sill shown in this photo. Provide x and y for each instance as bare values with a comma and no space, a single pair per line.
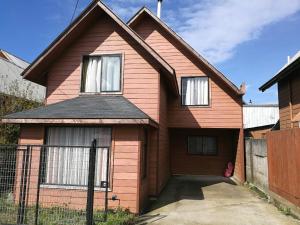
70,187
103,93
196,106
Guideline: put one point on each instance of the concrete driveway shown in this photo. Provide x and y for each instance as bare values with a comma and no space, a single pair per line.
211,200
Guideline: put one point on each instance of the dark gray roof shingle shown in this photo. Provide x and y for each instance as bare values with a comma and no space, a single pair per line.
85,107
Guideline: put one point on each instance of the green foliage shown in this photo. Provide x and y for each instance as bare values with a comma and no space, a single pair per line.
60,215
9,104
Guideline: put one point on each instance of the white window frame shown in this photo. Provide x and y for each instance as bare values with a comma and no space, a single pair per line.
208,91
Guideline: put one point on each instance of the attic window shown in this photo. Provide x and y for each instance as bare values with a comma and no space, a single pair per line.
194,91
101,73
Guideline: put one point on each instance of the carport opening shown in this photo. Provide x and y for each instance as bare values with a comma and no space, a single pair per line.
188,187
202,151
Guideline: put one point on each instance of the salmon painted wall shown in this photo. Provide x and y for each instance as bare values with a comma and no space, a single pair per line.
125,172
225,108
164,151
184,163
140,77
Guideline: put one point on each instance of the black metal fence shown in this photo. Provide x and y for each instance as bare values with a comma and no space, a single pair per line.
42,184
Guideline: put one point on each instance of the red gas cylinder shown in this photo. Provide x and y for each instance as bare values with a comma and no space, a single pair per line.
229,170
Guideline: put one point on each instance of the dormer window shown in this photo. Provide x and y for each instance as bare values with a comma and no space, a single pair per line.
195,91
101,74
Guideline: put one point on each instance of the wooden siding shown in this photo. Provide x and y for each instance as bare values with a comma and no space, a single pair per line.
140,76
239,166
284,163
225,107
184,163
164,152
125,172
289,100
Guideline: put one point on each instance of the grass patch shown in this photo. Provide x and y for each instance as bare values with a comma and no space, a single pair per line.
259,192
61,216
283,209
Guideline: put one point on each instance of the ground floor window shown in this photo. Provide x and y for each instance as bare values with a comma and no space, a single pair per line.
202,145
66,161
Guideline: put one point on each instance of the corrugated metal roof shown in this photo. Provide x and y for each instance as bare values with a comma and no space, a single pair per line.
260,115
85,107
12,83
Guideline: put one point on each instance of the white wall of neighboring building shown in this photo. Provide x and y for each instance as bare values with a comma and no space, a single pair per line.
260,115
12,83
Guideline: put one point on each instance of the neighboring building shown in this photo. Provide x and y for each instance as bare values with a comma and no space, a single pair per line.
13,84
259,119
288,80
139,89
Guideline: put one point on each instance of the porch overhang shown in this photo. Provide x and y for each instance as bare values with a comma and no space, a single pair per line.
88,109
82,121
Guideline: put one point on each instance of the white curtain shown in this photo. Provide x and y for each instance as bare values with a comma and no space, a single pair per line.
69,165
102,73
111,75
195,91
93,74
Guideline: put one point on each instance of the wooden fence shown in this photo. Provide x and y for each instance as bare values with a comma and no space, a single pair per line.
284,163
257,162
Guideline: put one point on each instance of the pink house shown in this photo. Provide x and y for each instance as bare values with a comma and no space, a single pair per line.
139,89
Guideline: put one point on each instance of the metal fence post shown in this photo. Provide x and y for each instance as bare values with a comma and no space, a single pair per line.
91,183
106,186
23,186
37,205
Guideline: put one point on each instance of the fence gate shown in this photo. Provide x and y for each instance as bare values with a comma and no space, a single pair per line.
52,184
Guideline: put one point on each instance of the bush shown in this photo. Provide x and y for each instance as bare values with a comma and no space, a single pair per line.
9,133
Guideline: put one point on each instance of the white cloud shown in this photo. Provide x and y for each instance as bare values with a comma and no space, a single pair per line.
216,27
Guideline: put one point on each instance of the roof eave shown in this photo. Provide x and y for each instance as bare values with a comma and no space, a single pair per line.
193,51
281,75
29,70
80,121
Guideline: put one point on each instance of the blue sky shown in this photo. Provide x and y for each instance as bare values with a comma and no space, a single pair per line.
248,41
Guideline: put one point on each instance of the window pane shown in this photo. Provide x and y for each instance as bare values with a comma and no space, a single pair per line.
91,73
202,145
111,73
69,165
195,145
210,145
195,91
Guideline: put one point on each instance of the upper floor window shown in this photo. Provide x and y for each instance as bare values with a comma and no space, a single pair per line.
101,74
194,91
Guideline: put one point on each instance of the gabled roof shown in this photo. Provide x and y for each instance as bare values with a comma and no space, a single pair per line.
115,109
135,19
41,63
12,83
286,70
13,59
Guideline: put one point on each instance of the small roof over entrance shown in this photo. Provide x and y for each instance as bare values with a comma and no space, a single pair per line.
86,109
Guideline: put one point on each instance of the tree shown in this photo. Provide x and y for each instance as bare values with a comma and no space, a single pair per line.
9,133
